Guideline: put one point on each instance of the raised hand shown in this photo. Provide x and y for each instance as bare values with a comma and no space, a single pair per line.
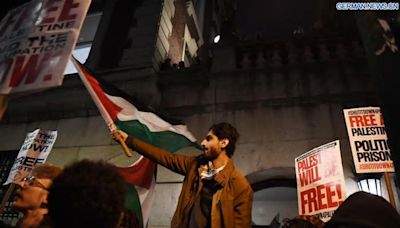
119,136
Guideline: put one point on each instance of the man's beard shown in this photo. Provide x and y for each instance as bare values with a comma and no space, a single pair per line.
211,154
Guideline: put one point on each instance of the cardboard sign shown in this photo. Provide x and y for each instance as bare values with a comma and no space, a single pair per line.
320,181
368,140
36,41
34,151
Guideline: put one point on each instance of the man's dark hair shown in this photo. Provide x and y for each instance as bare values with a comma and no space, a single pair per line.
87,194
226,131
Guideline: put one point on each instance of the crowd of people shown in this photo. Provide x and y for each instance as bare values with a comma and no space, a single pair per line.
214,194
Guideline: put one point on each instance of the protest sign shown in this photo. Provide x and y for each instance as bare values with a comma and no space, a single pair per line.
34,151
320,181
368,140
36,41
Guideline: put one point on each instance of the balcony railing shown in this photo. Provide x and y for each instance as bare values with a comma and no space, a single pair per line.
301,51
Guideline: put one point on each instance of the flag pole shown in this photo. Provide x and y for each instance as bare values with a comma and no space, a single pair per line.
389,189
3,105
6,197
107,118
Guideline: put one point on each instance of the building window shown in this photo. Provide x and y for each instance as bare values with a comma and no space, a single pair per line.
370,182
81,53
85,40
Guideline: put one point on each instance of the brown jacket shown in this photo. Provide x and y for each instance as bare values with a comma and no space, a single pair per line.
231,204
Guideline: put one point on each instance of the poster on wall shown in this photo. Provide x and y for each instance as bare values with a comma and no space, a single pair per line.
368,140
36,41
34,151
320,181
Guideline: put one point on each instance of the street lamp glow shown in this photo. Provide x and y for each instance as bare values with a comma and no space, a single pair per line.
217,38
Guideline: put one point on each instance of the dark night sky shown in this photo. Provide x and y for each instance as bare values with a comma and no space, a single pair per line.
6,5
274,18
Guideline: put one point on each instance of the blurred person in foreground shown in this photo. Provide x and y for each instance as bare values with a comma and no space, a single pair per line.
32,196
364,210
87,194
214,194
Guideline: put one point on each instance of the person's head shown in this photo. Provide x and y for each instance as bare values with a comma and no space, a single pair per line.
87,194
33,189
221,137
364,210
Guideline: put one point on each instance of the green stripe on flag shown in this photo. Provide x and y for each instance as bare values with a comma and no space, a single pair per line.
132,203
167,140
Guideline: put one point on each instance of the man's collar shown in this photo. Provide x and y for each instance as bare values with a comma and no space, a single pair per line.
223,175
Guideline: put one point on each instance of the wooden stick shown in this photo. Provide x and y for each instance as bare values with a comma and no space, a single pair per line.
125,147
389,189
3,104
103,112
6,197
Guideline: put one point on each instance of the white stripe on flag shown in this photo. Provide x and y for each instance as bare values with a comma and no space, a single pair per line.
152,121
146,197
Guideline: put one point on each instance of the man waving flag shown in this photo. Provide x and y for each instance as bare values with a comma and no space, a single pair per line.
119,112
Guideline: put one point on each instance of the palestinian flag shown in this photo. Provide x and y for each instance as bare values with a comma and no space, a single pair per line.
142,124
140,184
119,111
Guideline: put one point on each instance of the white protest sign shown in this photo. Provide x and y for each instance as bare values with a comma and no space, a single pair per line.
320,181
34,151
368,140
36,41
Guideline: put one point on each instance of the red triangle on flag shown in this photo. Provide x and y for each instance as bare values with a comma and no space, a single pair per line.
141,173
